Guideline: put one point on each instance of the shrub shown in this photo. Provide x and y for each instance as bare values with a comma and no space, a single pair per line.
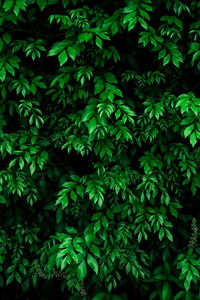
99,143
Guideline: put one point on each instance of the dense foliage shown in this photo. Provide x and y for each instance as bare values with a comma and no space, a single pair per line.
99,144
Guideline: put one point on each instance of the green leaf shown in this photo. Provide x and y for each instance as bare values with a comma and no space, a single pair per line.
71,230
10,69
85,37
8,4
195,56
63,263
32,167
92,125
87,115
179,295
21,163
187,121
62,57
97,226
169,235
2,74
132,23
77,247
95,250
65,3
99,296
99,42
73,196
11,269
57,48
34,280
161,234
187,285
188,130
42,4
166,60
129,17
51,262
6,37
2,200
161,53
91,261
13,162
25,262
22,269
139,237
10,278
82,270
193,139
114,28
1,44
110,77
143,23
72,52
99,86
194,271
165,290
89,234
25,285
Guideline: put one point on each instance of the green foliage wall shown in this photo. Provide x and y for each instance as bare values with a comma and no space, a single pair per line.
99,145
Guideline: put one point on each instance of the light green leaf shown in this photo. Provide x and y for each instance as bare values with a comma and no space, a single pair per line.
21,163
169,235
72,52
188,130
161,53
62,57
187,121
193,139
73,196
2,74
77,247
87,115
143,23
32,167
10,69
91,261
99,42
63,263
92,125
132,23
57,48
166,59
129,17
